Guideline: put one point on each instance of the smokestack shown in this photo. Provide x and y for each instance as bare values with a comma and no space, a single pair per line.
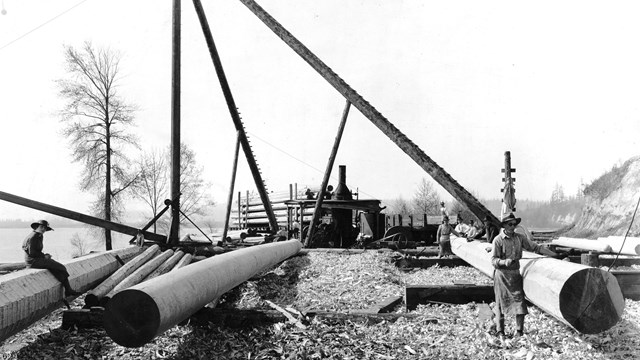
342,191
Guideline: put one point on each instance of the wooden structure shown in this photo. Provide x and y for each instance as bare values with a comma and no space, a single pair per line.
449,294
29,294
586,298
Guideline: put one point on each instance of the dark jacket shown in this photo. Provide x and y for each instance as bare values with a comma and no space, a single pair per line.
32,246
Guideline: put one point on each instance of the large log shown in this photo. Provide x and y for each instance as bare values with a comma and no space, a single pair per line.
585,298
140,273
584,244
186,260
93,297
28,295
166,266
136,315
628,246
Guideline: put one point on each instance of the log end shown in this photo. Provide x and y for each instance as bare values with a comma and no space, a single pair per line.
591,301
131,318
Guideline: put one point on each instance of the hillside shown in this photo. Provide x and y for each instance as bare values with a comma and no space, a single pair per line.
610,202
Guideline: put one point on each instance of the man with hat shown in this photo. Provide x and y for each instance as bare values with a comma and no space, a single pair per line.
443,209
507,281
36,259
490,229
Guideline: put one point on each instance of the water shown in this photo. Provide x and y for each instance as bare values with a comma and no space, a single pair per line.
57,242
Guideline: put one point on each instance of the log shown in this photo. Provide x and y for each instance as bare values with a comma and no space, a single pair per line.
8,267
587,299
28,295
244,318
166,266
82,318
631,244
186,260
140,273
584,244
138,314
449,294
93,297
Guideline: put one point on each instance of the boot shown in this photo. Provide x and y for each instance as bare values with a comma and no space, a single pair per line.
68,291
519,325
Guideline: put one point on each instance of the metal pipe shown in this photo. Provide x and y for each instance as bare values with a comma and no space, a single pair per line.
585,298
135,316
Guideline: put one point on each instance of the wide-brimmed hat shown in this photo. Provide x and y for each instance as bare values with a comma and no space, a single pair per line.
441,202
509,218
44,223
445,218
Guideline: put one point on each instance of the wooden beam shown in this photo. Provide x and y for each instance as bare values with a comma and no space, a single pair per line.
427,263
79,217
449,294
629,283
396,136
385,306
587,299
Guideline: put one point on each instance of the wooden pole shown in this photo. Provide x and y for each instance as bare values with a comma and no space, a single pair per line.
175,125
327,174
402,141
231,185
129,230
585,298
233,110
136,315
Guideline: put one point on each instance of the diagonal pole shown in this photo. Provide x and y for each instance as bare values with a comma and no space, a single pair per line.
233,181
253,166
327,174
402,141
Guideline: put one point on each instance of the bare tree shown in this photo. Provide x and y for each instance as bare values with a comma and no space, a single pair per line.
96,120
153,188
400,206
425,199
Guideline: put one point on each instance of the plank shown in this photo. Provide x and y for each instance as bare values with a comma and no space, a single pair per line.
450,294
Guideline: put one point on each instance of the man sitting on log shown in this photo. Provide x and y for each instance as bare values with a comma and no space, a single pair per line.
36,259
507,281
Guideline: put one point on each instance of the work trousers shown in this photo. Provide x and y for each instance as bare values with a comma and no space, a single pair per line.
58,270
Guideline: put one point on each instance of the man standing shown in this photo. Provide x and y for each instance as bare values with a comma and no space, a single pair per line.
443,209
36,259
507,281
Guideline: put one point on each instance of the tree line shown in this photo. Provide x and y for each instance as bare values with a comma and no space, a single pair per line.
559,211
98,124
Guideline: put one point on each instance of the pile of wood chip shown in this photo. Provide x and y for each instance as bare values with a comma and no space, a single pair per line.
338,282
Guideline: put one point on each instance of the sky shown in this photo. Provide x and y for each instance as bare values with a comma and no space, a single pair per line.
555,83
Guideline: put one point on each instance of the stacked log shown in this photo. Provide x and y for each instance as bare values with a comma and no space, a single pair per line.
93,297
166,266
140,273
585,298
136,315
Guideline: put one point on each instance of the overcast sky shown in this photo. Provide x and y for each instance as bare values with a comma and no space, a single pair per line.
555,83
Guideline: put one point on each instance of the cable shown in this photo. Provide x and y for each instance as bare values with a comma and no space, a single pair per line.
41,25
625,236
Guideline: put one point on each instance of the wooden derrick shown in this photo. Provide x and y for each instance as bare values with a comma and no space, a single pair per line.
585,298
93,297
166,266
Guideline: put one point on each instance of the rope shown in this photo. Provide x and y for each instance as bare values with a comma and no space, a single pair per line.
625,236
192,223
